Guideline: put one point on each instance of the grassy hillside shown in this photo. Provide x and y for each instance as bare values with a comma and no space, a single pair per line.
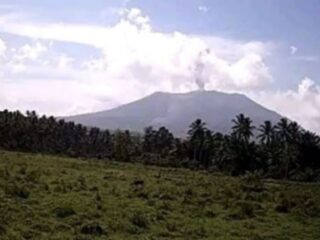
45,197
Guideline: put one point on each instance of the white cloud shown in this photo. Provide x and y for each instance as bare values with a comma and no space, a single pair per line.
135,56
64,61
135,16
137,60
203,8
31,52
53,96
301,105
26,54
307,58
3,47
293,50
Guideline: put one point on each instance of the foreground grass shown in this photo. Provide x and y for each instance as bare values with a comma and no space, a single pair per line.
45,197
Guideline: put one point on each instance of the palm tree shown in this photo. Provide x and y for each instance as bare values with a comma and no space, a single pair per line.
294,132
196,128
206,157
282,129
267,132
242,128
289,134
241,148
196,138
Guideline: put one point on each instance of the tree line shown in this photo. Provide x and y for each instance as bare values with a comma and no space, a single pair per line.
282,151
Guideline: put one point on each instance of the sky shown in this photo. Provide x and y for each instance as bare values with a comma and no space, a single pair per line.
68,57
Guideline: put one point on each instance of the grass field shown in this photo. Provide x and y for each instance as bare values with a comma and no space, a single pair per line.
46,197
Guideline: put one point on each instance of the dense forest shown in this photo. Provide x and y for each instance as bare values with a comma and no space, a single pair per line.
280,151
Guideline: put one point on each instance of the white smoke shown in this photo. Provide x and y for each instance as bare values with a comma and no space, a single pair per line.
200,68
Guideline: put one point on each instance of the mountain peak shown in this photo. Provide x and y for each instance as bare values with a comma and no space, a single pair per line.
195,92
177,110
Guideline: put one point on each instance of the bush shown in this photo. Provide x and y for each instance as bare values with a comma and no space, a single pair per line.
33,176
308,175
252,182
63,212
92,229
243,210
140,220
284,205
22,170
17,191
302,203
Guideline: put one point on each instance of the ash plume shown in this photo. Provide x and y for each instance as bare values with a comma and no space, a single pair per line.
199,68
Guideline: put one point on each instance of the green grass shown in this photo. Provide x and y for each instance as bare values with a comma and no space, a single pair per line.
46,197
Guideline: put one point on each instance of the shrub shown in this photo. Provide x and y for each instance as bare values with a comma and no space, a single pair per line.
302,203
210,213
63,212
140,220
308,175
17,191
283,205
243,210
172,226
98,197
33,176
252,182
22,170
92,229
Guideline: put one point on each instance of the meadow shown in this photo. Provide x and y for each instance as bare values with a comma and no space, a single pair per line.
49,197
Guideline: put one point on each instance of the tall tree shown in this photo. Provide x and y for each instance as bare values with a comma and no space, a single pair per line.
288,132
242,151
267,133
242,128
196,135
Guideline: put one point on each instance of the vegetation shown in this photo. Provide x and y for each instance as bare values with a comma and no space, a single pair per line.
281,151
47,197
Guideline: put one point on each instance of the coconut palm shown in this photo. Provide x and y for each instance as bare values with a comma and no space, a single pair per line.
267,132
282,129
196,138
242,128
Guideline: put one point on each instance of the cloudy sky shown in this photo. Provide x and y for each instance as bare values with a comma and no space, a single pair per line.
67,57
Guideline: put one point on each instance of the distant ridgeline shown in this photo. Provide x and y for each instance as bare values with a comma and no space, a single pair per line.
283,151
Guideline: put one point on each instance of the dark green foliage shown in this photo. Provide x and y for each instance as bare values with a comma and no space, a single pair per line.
140,219
63,212
18,191
92,229
243,210
281,151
